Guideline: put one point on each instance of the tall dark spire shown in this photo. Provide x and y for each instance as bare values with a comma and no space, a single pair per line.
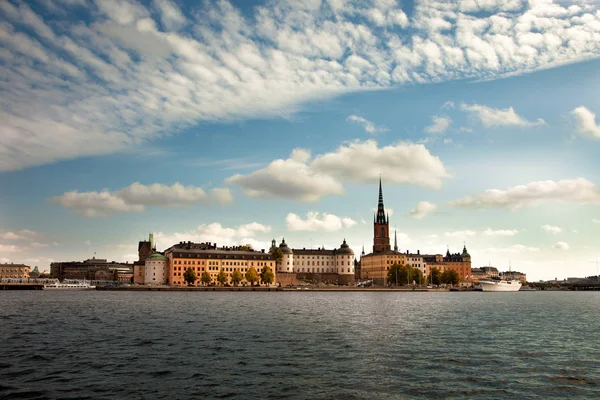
380,218
395,241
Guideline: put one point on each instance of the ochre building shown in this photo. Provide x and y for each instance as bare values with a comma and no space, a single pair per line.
203,257
14,271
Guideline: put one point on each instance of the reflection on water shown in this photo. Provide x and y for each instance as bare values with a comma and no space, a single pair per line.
356,345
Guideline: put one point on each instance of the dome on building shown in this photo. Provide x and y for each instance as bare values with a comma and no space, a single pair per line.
345,249
284,247
465,253
157,257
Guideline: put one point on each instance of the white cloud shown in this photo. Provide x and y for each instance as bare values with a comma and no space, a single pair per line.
438,125
303,179
11,248
422,209
516,248
552,229
492,117
596,221
586,122
292,178
216,233
447,141
23,234
38,244
367,125
318,222
461,234
87,242
579,191
561,246
500,232
365,162
128,75
136,196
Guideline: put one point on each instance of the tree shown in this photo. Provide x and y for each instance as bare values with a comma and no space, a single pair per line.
189,276
277,255
450,277
435,277
222,277
416,275
252,275
245,248
236,277
397,274
266,275
205,278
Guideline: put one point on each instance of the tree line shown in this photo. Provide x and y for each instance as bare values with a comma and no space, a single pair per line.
406,275
265,276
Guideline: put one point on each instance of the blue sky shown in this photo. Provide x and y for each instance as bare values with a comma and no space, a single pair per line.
237,122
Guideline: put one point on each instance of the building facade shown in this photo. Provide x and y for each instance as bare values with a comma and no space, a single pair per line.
206,257
92,269
156,269
316,261
14,271
459,262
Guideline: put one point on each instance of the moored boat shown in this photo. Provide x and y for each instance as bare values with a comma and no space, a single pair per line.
72,285
489,285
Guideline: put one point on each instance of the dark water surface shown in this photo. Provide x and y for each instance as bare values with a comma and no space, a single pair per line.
308,345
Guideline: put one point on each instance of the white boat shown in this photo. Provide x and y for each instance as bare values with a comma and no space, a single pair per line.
489,285
73,285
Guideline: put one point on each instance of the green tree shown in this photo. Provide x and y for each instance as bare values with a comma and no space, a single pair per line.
416,275
435,276
205,278
189,276
277,255
266,275
397,274
236,277
222,277
245,248
450,277
252,275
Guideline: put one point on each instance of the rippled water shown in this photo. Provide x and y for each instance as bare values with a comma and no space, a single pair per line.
308,345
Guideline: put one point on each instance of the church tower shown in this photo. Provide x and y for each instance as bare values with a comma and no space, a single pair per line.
381,224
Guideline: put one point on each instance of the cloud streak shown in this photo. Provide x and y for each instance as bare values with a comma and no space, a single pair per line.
115,74
135,198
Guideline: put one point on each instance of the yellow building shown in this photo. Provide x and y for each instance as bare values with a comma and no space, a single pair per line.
375,266
203,257
14,271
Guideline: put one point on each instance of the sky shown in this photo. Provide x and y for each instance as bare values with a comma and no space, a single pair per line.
238,122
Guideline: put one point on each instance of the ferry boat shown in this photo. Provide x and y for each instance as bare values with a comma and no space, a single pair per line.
489,285
73,285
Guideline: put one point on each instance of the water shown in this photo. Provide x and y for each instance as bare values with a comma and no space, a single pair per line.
308,345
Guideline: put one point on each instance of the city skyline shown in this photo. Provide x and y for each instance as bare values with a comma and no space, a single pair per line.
236,123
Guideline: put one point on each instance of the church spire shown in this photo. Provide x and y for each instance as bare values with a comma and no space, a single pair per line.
395,241
380,217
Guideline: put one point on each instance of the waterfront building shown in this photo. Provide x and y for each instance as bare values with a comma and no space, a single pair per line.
35,273
491,272
335,261
515,275
92,269
14,271
374,266
459,262
156,269
203,257
145,249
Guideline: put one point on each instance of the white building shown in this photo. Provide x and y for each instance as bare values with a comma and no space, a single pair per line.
156,269
336,261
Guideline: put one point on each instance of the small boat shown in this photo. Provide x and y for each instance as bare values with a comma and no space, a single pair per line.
71,285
